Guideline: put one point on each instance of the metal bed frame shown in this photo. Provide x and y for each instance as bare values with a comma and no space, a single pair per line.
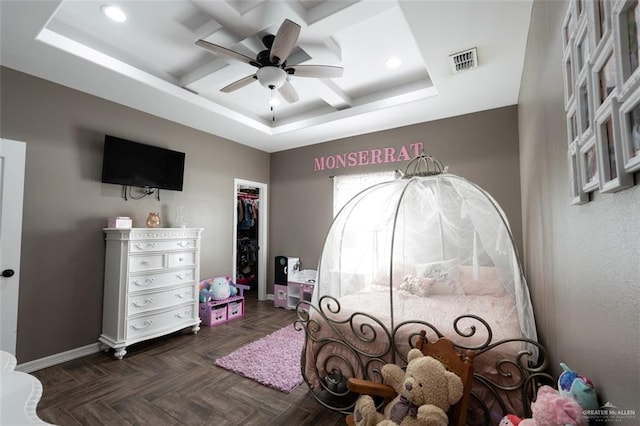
519,376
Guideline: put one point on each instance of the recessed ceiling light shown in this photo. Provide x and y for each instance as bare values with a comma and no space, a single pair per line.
114,13
393,62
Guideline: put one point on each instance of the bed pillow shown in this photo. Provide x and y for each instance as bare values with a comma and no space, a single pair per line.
445,276
488,282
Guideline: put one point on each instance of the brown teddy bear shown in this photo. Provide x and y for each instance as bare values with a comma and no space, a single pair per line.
425,390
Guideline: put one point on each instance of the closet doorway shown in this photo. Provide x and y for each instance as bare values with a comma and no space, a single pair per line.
250,236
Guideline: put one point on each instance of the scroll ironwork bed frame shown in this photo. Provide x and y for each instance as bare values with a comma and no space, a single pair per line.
520,375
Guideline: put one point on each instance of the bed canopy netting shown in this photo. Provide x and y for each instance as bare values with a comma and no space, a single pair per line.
428,249
429,225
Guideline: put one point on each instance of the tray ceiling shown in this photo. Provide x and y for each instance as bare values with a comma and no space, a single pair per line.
151,63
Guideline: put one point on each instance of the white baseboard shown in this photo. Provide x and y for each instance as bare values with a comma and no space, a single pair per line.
50,361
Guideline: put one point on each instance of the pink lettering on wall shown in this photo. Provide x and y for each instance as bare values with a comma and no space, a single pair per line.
388,154
376,156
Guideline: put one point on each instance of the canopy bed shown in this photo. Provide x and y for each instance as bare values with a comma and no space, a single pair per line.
430,251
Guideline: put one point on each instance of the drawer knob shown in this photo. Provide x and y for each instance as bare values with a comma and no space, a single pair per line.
144,263
145,324
180,259
183,314
145,302
147,281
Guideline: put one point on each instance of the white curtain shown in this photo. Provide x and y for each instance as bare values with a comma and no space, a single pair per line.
347,186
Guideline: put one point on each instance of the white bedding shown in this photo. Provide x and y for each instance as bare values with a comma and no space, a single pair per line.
440,310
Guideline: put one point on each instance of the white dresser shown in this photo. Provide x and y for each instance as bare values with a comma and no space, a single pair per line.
150,284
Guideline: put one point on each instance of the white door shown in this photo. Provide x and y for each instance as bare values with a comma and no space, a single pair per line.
12,157
262,233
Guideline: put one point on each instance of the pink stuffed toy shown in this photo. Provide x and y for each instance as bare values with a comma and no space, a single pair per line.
552,409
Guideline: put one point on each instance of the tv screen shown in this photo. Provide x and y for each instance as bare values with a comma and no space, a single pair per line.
135,164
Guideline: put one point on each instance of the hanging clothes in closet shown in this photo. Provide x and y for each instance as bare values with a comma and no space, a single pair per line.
247,245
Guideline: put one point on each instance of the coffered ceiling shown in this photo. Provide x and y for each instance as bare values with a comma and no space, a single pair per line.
151,63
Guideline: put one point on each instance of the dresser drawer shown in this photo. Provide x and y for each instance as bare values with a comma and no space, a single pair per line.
147,262
147,246
162,299
161,279
158,322
186,258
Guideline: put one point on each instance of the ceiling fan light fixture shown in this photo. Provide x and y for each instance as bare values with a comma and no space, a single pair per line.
114,13
273,98
271,77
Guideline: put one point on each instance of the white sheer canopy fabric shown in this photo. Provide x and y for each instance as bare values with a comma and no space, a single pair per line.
423,236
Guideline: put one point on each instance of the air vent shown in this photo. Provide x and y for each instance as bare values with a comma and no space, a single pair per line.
464,61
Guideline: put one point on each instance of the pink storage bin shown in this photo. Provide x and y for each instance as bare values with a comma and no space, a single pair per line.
213,312
235,309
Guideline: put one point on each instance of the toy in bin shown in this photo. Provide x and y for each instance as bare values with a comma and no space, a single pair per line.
217,289
221,300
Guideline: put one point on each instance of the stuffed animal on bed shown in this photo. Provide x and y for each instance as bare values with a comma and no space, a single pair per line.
416,285
426,391
550,409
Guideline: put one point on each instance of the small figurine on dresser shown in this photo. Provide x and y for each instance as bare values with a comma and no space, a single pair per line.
153,220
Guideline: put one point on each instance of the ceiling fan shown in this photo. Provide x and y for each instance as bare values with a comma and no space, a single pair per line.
272,65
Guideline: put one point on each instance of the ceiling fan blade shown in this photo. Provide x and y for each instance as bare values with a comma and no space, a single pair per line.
319,71
219,50
285,41
288,92
238,84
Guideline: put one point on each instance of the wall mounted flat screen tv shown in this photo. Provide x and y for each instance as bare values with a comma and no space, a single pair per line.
136,164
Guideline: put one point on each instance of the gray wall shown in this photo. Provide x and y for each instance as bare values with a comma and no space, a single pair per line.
482,147
582,262
66,206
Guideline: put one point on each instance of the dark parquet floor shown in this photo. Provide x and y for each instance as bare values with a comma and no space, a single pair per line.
173,381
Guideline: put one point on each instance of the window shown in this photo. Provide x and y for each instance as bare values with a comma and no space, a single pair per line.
347,186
